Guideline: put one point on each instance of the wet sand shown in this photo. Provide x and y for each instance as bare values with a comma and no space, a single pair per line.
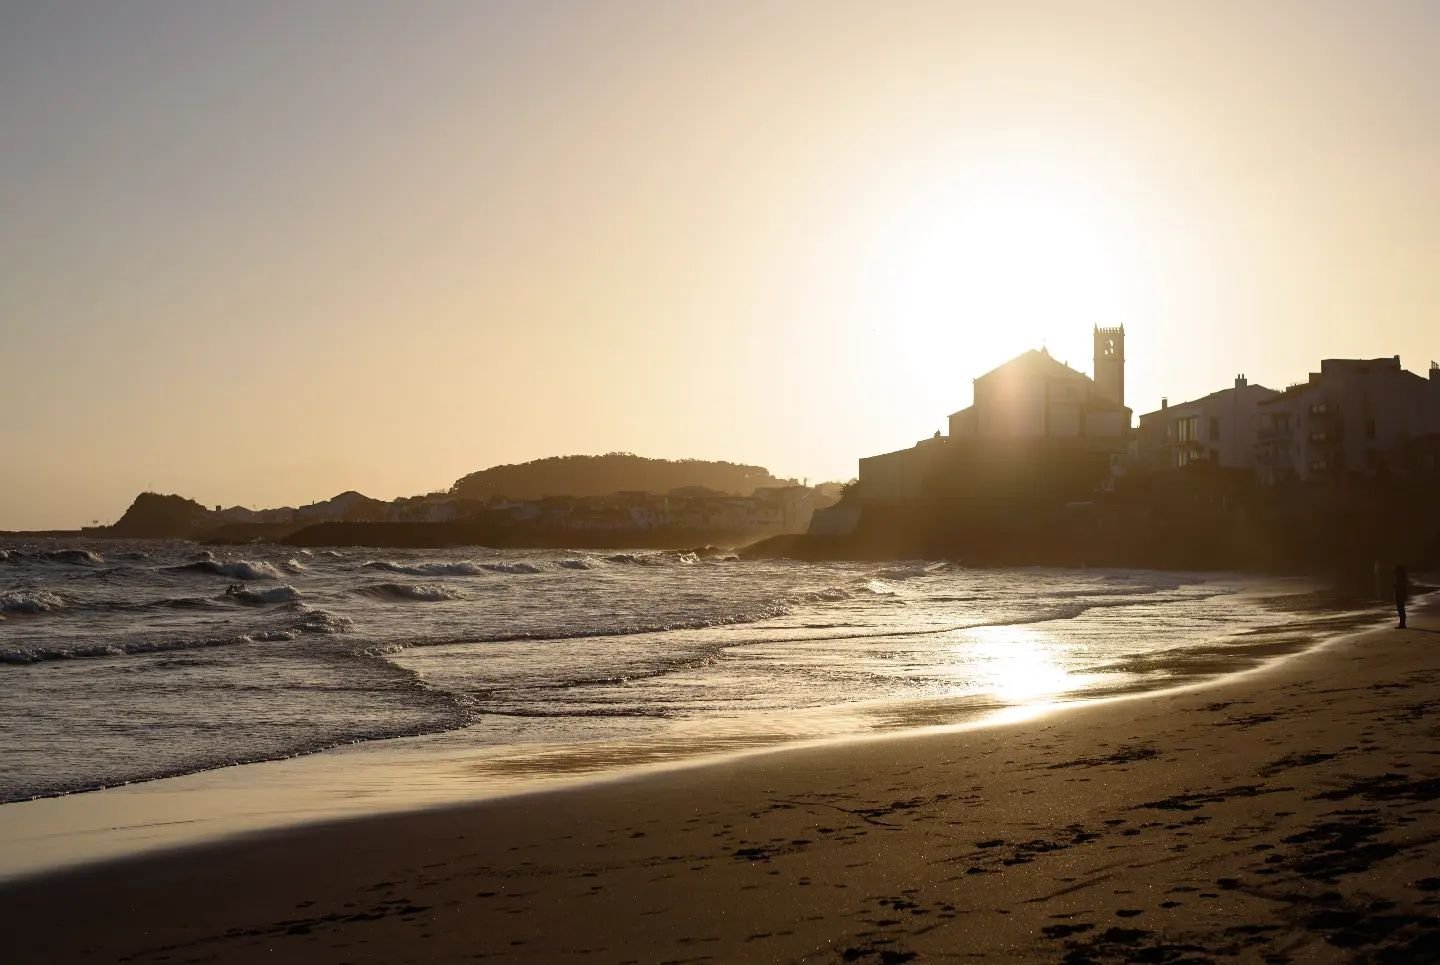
1290,814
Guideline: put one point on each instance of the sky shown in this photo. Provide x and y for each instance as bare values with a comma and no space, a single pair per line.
261,252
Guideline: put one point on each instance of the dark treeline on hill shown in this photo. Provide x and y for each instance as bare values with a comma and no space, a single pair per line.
613,472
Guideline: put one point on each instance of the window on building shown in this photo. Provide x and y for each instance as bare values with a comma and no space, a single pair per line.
1369,428
1318,465
1319,408
1214,428
1187,430
1319,436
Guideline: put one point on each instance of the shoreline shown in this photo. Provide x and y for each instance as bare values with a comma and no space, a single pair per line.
420,773
1025,809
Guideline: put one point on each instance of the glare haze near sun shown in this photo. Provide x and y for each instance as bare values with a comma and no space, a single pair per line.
263,252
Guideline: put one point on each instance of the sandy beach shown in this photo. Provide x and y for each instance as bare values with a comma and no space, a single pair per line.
1288,814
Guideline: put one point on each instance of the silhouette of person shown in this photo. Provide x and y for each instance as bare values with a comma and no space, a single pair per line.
1402,593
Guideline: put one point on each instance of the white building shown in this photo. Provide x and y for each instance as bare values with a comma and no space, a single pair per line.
1221,428
1353,416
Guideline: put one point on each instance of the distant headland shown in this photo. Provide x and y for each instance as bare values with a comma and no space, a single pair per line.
613,500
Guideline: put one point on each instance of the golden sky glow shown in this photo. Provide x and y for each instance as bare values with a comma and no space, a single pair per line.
262,252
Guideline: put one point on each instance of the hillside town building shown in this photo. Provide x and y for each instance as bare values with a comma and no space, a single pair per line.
1355,417
1035,424
1363,416
1220,428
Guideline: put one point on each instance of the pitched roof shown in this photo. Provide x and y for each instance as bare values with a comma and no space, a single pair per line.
1037,361
1034,362
1251,387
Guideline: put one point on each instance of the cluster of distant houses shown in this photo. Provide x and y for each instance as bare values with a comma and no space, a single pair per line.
1038,426
778,509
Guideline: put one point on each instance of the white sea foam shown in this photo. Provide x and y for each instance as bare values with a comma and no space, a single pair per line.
29,601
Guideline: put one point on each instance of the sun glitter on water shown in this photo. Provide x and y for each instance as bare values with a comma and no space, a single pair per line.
1019,665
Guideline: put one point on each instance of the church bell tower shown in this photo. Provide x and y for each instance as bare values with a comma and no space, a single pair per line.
1110,363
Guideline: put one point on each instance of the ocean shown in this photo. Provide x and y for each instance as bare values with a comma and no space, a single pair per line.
123,662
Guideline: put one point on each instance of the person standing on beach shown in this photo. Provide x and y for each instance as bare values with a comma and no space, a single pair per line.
1402,593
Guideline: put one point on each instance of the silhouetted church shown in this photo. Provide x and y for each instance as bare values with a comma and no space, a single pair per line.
1037,427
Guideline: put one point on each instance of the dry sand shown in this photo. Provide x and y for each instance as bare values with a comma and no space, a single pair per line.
1286,815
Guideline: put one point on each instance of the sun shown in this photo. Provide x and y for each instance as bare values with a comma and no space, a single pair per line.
983,268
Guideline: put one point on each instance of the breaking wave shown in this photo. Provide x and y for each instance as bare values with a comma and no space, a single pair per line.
665,558
833,594
323,621
234,569
274,594
425,592
469,568
513,567
29,601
